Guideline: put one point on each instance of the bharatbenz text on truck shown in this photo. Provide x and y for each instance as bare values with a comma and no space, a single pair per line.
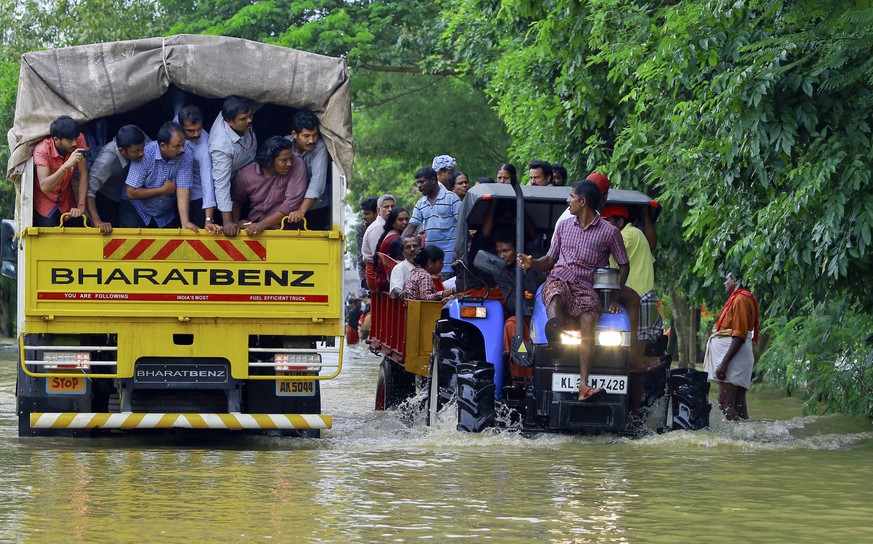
165,328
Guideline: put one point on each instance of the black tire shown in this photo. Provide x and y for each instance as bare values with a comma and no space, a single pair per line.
454,343
475,396
393,386
689,395
447,385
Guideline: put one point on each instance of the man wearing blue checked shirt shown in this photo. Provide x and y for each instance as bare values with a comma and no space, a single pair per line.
159,186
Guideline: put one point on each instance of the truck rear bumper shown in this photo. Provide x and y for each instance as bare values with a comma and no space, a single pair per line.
135,420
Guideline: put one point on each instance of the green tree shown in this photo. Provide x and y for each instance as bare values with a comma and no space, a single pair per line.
30,25
409,102
750,121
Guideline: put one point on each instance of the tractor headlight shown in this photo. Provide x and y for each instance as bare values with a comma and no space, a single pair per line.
609,338
571,338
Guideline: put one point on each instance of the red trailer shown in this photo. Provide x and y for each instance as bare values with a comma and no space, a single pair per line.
401,330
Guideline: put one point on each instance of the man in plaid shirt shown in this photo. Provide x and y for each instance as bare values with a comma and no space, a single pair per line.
579,246
159,185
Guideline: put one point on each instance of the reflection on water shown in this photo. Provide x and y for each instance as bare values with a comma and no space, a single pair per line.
373,479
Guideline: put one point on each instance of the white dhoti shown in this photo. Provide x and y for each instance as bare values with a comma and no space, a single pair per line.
739,371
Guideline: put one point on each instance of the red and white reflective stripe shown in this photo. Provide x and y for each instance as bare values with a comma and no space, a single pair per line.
150,249
136,420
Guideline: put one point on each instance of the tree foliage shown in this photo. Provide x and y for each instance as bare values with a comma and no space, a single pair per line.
409,103
749,121
822,356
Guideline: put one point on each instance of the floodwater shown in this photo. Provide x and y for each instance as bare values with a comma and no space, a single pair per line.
373,479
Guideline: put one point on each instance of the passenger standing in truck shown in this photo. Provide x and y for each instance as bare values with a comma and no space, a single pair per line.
108,174
55,158
540,173
394,226
309,147
729,356
579,246
232,145
400,273
506,173
459,184
370,242
271,188
559,175
159,186
368,215
202,185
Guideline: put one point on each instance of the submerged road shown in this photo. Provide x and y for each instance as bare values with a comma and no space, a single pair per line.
375,478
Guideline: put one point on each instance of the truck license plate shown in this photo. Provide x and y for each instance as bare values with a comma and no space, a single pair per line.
569,383
295,388
74,385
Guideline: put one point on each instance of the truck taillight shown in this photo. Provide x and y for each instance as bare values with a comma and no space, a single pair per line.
77,360
297,361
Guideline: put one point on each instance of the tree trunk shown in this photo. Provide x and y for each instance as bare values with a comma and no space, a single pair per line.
686,323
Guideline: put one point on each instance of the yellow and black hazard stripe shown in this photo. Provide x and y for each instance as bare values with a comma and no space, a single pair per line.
135,420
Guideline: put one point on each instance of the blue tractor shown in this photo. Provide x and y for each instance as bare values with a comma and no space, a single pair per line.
533,385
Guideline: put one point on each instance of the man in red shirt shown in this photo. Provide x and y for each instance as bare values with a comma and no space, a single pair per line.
270,188
55,158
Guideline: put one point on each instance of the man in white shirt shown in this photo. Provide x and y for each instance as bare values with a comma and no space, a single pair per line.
309,147
232,145
400,272
372,235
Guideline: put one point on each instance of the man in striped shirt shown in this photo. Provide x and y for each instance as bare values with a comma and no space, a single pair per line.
437,214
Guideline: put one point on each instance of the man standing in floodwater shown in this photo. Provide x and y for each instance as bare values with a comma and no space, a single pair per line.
729,357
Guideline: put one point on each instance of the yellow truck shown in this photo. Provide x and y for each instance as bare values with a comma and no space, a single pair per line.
165,328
